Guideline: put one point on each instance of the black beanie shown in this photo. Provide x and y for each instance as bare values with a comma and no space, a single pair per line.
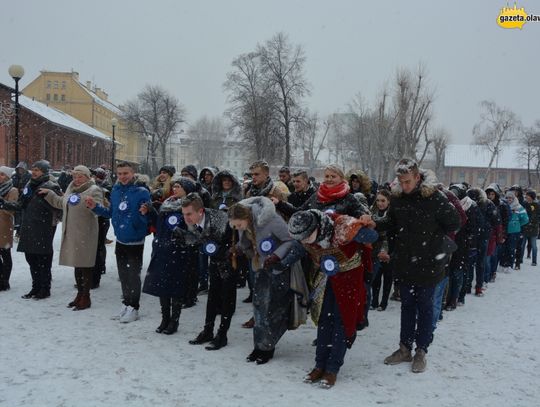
43,165
459,190
302,224
191,170
169,169
187,184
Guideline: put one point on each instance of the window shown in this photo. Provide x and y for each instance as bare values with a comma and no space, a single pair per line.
56,97
69,153
63,98
48,149
63,84
49,84
501,180
462,175
48,96
79,153
56,84
59,151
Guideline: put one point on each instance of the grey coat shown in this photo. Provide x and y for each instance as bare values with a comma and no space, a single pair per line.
79,225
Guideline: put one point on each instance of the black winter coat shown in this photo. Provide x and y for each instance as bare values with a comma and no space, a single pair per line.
297,199
170,259
419,223
39,219
466,239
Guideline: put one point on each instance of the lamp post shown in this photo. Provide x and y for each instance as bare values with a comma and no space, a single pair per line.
16,72
114,122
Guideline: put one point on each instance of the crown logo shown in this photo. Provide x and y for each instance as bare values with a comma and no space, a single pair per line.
512,17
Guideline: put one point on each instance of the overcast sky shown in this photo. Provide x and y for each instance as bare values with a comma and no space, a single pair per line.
351,46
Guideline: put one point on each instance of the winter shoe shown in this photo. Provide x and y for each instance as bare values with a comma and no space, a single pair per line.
478,292
532,264
314,376
163,325
403,354
517,267
83,303
122,312
42,294
171,328
219,341
206,335
130,315
264,356
30,294
328,380
419,361
75,301
249,324
252,357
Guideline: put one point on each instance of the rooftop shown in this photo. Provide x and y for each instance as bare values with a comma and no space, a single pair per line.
476,156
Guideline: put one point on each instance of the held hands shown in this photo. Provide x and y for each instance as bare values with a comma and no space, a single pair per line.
90,203
43,191
271,260
144,209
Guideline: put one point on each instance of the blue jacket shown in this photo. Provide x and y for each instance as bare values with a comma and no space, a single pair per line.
129,225
518,219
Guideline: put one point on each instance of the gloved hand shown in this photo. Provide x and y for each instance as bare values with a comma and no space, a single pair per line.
368,277
271,261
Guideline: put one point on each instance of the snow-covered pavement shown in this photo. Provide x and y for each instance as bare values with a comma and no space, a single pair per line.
484,354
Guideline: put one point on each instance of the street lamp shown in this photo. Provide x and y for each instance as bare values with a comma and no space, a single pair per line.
114,122
16,72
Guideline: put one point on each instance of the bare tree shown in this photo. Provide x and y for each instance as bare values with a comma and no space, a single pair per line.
313,136
412,104
209,136
156,114
282,65
440,142
496,128
530,151
252,102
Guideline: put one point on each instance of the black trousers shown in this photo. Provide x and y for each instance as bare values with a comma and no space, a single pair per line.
40,270
221,295
101,253
6,264
129,259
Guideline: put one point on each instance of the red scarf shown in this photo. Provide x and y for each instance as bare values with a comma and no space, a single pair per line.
330,194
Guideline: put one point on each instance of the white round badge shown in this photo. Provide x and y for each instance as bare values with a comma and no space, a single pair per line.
122,205
25,191
266,246
222,206
329,265
173,220
330,211
74,199
211,248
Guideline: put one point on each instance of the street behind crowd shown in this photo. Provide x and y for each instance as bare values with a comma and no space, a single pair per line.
483,354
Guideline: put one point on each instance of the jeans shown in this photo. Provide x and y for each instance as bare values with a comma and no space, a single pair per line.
129,260
416,315
480,261
438,295
467,278
455,283
532,243
491,264
384,273
331,341
509,250
376,271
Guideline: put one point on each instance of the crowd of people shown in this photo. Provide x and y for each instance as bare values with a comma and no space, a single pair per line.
304,249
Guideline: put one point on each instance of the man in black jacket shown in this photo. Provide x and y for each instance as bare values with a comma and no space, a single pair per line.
210,228
419,219
38,226
302,189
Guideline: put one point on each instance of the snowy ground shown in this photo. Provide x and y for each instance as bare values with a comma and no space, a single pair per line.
484,354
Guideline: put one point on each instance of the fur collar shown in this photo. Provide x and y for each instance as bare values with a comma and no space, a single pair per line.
262,209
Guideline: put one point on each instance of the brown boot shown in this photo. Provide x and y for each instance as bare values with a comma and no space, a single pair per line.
314,376
403,354
83,303
75,301
328,380
249,324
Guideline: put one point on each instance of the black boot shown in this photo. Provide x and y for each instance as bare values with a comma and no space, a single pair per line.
219,341
42,294
264,356
175,317
252,357
206,335
30,294
165,314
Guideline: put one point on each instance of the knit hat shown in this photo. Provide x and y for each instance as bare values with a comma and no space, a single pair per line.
510,194
191,170
100,173
83,169
43,165
187,184
459,190
6,170
302,224
169,169
530,193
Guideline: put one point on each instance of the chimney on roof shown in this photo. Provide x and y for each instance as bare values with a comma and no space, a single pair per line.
89,85
75,75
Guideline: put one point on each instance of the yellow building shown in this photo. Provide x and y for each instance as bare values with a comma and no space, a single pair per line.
89,104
